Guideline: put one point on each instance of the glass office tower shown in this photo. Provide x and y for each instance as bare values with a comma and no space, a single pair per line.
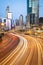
33,10
29,7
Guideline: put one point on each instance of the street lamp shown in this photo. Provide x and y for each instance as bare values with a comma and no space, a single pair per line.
2,24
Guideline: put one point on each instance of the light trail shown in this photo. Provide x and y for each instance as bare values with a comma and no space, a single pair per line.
28,52
21,46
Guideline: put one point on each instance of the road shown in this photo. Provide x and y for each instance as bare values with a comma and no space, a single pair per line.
19,51
8,43
29,51
35,56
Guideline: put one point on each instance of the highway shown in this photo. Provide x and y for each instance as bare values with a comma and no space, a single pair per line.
16,53
29,51
8,44
36,58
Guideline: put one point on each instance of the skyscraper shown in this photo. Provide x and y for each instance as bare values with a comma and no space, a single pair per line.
21,20
7,10
29,7
33,10
8,18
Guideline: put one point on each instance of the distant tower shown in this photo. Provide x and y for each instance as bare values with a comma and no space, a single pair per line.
21,20
17,22
8,18
7,10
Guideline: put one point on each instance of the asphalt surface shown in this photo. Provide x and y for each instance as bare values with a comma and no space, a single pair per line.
7,45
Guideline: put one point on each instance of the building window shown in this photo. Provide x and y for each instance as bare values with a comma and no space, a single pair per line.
34,6
30,3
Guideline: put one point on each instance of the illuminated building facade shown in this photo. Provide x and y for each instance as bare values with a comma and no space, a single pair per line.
33,10
8,18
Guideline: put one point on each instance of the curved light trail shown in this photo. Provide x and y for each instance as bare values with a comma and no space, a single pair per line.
29,51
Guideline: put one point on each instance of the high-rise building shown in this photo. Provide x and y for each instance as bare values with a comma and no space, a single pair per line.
21,20
41,20
33,10
17,22
29,8
8,18
7,10
8,24
28,21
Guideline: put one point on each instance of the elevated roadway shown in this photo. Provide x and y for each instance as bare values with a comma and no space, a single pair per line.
29,51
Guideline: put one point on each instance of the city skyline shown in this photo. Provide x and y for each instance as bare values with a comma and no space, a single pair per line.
17,7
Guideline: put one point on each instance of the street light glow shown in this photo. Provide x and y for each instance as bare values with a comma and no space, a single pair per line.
2,24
